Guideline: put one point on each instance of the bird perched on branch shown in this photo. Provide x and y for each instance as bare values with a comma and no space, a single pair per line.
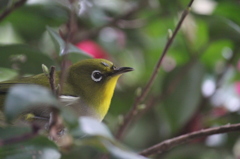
87,89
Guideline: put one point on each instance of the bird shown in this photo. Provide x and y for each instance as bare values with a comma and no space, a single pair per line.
87,89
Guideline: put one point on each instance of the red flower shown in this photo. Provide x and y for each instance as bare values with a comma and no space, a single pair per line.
92,48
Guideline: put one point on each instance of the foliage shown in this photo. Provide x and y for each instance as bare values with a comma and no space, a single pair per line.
197,86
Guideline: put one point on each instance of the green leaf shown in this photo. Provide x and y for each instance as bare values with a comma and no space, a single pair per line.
184,99
61,45
119,152
202,35
213,53
23,97
37,147
228,9
29,21
222,28
6,74
93,127
99,137
100,145
28,60
70,119
13,131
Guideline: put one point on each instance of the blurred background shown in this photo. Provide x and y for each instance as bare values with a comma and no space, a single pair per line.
198,85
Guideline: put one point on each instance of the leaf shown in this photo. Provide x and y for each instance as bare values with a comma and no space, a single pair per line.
213,53
24,58
29,21
93,127
228,9
61,45
38,147
222,28
6,74
70,119
13,131
192,151
201,36
22,97
184,99
103,145
118,152
99,137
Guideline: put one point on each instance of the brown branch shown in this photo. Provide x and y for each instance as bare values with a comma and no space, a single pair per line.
134,110
67,39
171,86
170,143
51,78
12,8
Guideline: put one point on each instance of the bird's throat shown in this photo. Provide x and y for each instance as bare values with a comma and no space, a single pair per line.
105,96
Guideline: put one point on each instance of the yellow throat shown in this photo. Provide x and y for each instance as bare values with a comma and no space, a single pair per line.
96,82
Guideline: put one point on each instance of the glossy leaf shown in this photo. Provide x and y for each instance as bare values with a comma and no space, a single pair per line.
37,147
97,147
6,74
69,117
23,97
183,100
119,152
30,20
23,58
60,45
93,127
222,28
215,52
13,131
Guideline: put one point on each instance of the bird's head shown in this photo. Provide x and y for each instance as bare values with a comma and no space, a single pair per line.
94,80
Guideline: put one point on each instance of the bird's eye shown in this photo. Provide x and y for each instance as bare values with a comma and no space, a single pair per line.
96,76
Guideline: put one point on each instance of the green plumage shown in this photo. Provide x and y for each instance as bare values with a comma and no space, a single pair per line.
91,81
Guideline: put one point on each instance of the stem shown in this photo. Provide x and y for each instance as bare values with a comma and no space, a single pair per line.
134,111
12,8
70,32
170,143
52,80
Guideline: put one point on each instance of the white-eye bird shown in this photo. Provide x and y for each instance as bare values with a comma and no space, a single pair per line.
88,88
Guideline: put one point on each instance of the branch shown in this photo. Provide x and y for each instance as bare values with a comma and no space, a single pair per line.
12,8
134,110
173,84
170,143
51,78
71,28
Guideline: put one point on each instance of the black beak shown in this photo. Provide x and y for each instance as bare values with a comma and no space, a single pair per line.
121,70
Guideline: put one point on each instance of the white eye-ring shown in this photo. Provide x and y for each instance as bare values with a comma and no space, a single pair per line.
96,76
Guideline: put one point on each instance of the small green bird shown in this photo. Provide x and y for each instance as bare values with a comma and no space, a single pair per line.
88,88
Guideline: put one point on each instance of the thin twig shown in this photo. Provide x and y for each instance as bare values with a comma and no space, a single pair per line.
170,143
12,8
67,39
52,80
55,122
134,110
171,86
